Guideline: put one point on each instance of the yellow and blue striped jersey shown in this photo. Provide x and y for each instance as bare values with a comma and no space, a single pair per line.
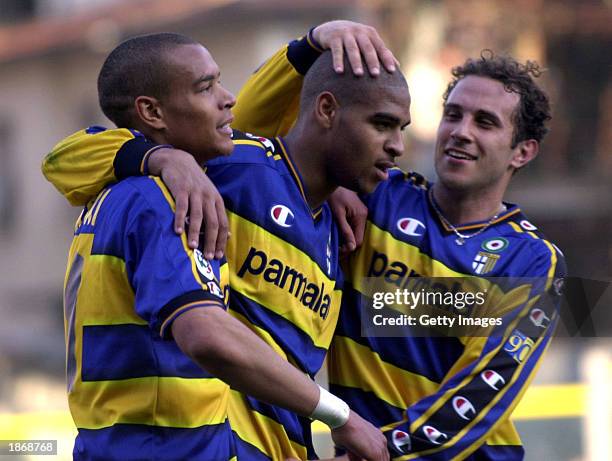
284,281
284,276
444,397
388,380
132,392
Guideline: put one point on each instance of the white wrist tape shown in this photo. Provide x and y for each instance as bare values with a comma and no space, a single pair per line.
331,410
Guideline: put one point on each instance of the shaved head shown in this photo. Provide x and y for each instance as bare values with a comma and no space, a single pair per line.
347,88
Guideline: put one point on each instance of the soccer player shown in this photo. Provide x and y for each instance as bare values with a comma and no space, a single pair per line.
284,274
439,397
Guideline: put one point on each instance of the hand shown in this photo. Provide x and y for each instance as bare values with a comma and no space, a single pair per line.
193,191
357,40
361,439
351,215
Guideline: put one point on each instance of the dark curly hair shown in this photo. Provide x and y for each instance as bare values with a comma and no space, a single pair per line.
533,110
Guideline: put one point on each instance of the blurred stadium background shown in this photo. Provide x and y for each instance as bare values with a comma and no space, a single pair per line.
50,54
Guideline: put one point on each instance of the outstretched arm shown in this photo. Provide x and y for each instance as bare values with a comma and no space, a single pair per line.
480,392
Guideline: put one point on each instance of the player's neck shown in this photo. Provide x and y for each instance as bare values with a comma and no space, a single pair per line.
308,157
462,208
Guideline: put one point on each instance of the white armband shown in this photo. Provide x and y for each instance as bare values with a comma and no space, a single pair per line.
331,410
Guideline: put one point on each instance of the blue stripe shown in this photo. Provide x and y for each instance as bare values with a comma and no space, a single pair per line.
296,427
367,405
132,351
436,356
248,452
128,442
294,342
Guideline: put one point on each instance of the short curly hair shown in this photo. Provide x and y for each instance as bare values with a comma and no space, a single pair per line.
533,111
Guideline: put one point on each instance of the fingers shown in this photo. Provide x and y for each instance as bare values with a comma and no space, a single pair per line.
362,45
369,52
337,50
180,212
223,231
345,230
211,228
357,221
196,214
353,54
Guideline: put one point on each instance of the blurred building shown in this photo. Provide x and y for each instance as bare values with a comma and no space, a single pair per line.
51,52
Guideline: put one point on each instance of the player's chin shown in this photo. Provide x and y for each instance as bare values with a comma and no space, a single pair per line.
368,185
225,147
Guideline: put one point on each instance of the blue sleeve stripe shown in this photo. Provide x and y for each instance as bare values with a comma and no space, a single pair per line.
131,156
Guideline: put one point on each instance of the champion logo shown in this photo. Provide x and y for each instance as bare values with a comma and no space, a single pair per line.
538,318
434,435
527,225
464,408
411,226
282,215
401,441
203,265
493,379
558,285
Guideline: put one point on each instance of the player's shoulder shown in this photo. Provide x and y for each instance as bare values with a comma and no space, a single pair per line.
145,193
534,243
401,187
250,149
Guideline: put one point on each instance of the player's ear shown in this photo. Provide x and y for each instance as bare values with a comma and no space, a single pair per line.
326,109
150,112
524,152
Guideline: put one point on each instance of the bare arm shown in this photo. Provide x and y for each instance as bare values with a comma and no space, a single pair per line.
229,350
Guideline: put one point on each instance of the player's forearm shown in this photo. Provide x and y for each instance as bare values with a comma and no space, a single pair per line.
229,350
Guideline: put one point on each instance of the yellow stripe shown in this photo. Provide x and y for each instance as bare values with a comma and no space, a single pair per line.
553,264
182,309
262,432
442,400
552,402
294,172
275,298
263,334
98,205
164,190
159,401
354,365
516,227
315,47
101,272
247,142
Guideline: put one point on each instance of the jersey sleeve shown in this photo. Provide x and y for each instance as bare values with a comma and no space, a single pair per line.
491,376
167,276
268,103
82,164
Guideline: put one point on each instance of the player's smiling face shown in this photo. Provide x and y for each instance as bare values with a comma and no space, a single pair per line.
369,138
474,143
197,110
